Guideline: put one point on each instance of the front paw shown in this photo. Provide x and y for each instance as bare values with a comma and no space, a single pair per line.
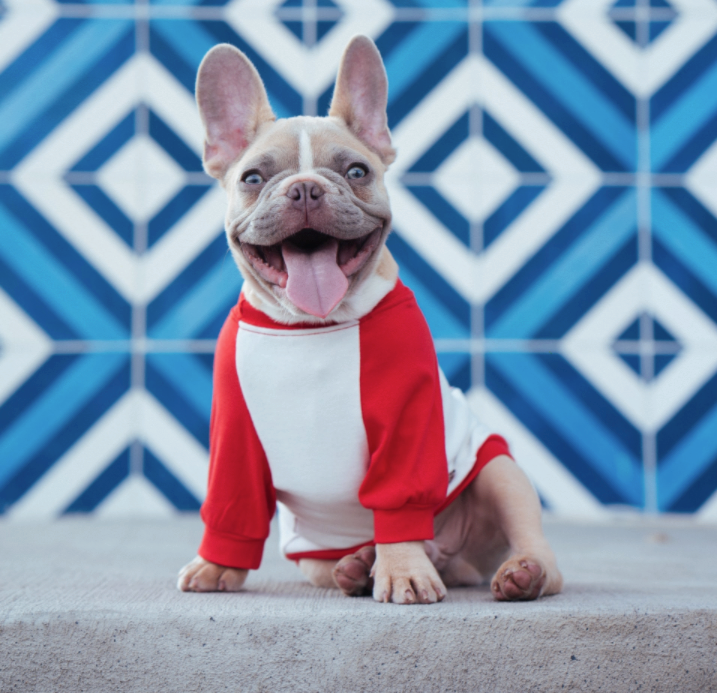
403,574
202,576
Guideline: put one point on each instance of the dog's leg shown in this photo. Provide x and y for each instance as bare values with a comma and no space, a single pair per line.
352,574
202,576
503,492
403,574
318,571
400,573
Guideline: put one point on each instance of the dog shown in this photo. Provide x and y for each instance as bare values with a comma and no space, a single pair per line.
328,399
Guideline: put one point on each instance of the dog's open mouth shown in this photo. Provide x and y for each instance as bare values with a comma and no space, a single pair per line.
312,266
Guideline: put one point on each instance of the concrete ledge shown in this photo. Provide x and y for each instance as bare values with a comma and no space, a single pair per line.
88,605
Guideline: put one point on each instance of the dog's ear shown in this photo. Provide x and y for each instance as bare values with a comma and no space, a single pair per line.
232,103
361,95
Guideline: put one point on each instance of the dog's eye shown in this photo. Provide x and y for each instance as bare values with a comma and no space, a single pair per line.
356,172
252,178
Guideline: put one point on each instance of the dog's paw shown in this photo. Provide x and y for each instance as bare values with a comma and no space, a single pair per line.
523,578
202,576
352,574
403,574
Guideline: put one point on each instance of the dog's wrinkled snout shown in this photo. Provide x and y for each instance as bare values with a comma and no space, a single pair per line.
305,195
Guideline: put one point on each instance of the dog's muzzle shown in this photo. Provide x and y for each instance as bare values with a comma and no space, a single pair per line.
313,267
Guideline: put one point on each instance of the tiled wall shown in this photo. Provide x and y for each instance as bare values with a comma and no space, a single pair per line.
555,204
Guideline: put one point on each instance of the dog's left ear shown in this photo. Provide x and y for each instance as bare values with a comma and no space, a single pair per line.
233,104
361,95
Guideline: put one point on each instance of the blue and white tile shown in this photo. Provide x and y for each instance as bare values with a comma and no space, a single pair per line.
22,23
701,179
558,488
24,346
569,180
137,419
309,68
647,400
45,178
642,69
554,215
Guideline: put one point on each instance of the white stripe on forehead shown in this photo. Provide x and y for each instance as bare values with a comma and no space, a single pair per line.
306,156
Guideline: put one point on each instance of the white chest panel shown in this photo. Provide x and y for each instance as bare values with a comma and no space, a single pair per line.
302,389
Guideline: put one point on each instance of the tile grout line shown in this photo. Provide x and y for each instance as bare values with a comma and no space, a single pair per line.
475,129
309,28
443,345
400,14
140,243
644,225
619,180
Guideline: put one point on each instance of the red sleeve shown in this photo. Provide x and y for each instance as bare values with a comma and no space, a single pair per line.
407,478
240,497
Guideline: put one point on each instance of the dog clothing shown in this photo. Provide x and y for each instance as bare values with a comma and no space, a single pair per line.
351,428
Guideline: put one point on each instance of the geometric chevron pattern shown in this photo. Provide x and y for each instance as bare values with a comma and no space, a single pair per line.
555,212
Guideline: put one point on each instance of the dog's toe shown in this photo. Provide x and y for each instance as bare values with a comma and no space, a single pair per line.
402,591
352,574
231,580
203,576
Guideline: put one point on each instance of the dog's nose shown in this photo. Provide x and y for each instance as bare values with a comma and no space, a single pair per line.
305,195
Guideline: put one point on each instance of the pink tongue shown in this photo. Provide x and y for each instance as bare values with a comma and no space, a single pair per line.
316,283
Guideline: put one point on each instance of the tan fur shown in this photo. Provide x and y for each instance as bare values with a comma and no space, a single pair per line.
403,574
504,531
494,527
202,576
361,72
387,267
262,219
318,572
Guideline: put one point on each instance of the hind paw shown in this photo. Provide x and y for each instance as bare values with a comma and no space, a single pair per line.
519,578
352,574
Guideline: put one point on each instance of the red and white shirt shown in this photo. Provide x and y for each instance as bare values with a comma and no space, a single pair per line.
351,428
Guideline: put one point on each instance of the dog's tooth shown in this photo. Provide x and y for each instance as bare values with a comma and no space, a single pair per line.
347,251
274,257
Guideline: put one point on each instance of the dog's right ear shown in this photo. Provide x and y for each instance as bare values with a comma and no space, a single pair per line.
361,95
232,103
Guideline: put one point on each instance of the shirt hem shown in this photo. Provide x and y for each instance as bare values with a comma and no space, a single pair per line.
225,550
493,446
328,554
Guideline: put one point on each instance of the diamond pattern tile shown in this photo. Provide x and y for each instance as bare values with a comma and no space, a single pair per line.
554,213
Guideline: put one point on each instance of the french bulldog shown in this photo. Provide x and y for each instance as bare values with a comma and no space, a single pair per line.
307,220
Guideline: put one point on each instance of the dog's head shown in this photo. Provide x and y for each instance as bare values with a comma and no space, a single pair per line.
308,210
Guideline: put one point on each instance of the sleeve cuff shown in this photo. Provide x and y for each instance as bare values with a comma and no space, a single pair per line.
410,523
231,551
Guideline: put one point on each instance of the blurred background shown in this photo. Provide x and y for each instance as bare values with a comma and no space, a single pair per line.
555,212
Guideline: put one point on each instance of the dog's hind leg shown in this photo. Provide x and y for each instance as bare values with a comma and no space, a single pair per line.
352,574
507,529
318,571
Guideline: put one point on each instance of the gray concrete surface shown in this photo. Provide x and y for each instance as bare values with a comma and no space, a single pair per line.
89,605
